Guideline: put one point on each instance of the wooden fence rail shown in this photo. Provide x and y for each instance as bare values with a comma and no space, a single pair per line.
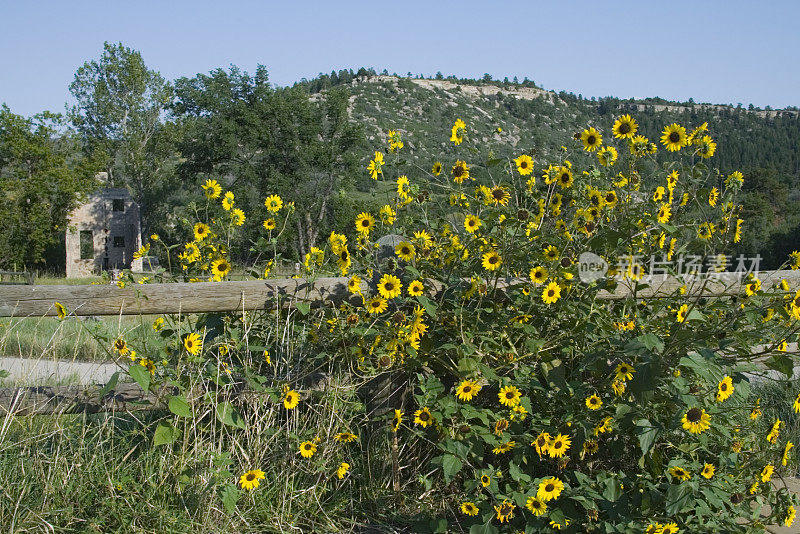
149,299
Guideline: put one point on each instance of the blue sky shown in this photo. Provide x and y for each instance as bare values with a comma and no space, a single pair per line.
720,52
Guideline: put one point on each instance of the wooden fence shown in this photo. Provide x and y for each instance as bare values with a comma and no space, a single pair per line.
186,298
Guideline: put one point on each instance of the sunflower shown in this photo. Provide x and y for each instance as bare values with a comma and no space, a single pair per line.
766,473
713,197
269,224
696,421
387,214
492,260
551,293
590,446
682,312
403,186
228,201
290,399
458,131
212,189
467,390
674,137
389,286
460,172
423,417
524,164
201,231
624,371
625,127
354,284
509,396
220,268
469,508
640,145
772,436
564,177
785,457
364,223
472,223
342,470
706,146
504,447
238,217
437,168
680,473
486,480
120,346
376,305
397,419
708,471
541,443
250,480
158,324
307,449
375,166
505,511
669,528
664,213
737,234
500,195
538,275
416,288
558,446
345,437
536,506
607,156
790,515
405,251
500,426
724,389
593,402
61,311
551,253
549,489
592,139
193,343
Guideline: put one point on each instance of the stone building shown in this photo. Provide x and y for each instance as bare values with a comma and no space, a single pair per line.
103,233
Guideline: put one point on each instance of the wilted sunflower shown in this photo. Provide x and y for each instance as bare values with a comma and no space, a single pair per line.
625,127
250,480
290,399
724,389
472,223
193,343
551,293
423,417
505,511
376,305
460,172
696,421
536,506
492,260
416,288
592,139
509,396
307,449
524,164
469,508
467,390
389,286
549,489
364,223
500,195
120,346
405,251
674,137
274,203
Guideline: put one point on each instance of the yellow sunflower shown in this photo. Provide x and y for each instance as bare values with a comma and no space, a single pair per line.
549,489
724,389
269,224
505,511
405,251
458,131
492,261
625,127
592,139
460,172
228,201
201,231
593,402
564,177
437,168
397,419
238,217
345,437
212,189
674,137
469,508
423,417
664,213
416,288
536,506
376,305
290,399
354,284
509,396
538,275
389,286
307,449
551,293
472,223
250,480
680,473
558,446
542,442
524,164
486,480
61,311
220,268
375,166
706,147
193,343
341,472
708,471
624,371
467,390
120,346
365,222
607,156
500,196
696,421
682,312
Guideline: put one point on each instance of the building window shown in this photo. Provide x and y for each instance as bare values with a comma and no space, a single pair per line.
118,204
87,245
119,241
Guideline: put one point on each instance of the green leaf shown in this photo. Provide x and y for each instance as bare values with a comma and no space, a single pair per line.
781,362
428,304
303,307
488,528
165,434
179,406
230,496
228,415
647,434
112,382
612,491
678,498
652,342
141,375
450,466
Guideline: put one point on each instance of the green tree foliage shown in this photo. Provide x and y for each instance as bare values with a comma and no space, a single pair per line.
42,176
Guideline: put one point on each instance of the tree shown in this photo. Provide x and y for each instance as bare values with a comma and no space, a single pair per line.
120,103
42,177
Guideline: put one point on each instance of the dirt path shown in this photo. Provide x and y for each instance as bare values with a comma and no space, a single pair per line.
29,372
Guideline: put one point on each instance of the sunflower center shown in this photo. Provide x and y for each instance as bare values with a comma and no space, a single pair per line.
624,128
723,387
550,293
250,477
493,260
467,389
388,286
591,139
674,137
498,194
510,395
458,170
523,165
423,416
694,415
565,177
550,487
557,445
